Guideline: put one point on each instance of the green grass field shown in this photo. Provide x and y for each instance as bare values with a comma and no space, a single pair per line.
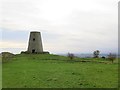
53,71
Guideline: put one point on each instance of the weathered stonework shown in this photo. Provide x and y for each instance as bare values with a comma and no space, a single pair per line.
35,43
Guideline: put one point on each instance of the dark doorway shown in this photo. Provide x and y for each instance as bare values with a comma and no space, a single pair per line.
33,50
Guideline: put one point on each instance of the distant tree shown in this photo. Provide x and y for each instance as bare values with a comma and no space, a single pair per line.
112,57
71,55
96,54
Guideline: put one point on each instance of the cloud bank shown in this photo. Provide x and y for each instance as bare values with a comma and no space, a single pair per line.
78,26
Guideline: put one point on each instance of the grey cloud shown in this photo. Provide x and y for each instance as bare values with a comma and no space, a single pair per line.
78,29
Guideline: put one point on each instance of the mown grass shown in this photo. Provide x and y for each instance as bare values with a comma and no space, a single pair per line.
53,71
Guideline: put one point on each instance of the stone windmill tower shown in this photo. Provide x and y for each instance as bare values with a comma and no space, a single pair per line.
35,43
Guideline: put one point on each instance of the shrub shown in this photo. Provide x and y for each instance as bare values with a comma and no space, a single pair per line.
25,52
6,56
103,57
71,56
112,57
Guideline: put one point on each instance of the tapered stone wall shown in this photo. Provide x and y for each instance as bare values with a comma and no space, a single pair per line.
35,43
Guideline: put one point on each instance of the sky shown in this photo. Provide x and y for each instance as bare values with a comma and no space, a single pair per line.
76,26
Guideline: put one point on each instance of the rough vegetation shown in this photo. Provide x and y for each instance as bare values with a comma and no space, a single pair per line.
53,71
112,57
71,56
6,56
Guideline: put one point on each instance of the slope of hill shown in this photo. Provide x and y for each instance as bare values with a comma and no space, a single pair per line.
53,71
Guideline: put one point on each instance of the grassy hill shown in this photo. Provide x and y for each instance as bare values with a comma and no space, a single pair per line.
53,71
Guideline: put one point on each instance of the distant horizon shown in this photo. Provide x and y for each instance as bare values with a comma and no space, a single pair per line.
60,53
